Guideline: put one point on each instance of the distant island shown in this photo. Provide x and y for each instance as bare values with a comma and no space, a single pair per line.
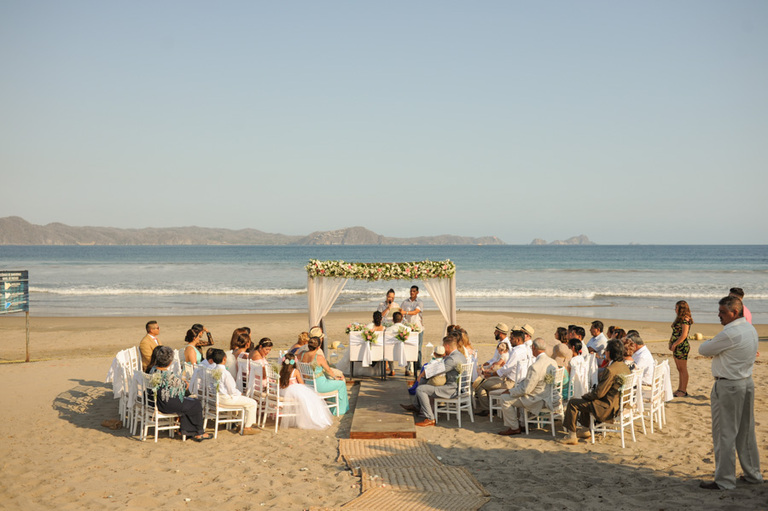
574,240
17,231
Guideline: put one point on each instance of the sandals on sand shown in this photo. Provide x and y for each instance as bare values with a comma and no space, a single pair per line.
205,436
680,393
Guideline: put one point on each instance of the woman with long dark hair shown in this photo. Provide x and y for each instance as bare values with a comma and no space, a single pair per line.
678,344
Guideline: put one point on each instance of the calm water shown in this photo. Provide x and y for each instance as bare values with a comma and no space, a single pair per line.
637,282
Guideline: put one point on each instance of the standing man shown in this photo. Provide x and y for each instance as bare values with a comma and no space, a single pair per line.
149,343
411,309
388,305
733,397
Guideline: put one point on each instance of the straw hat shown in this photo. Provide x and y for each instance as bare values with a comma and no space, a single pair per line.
440,350
562,354
316,332
528,329
502,327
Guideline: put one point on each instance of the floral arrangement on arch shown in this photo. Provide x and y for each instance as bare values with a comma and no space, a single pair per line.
419,270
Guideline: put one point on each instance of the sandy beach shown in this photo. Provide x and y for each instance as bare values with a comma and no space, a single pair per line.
56,454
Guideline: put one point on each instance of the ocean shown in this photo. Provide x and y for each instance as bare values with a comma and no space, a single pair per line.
640,282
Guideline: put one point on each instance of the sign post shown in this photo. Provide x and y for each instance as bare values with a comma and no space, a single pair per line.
14,295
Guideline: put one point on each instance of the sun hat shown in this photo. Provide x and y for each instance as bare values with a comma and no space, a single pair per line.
439,350
316,332
528,329
562,354
502,327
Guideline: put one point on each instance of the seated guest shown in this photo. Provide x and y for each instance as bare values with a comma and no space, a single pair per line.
149,343
629,350
500,333
311,410
643,358
503,349
437,380
376,326
561,334
562,356
235,334
301,342
397,324
619,334
528,332
603,402
504,378
598,341
230,396
261,351
609,332
577,332
316,331
531,392
171,395
576,347
422,401
194,339
325,379
240,353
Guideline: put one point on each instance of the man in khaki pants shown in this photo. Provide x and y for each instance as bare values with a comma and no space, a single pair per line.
732,400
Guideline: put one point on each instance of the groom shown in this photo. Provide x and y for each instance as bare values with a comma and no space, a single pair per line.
422,401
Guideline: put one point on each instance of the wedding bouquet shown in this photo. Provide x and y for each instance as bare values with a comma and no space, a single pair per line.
413,326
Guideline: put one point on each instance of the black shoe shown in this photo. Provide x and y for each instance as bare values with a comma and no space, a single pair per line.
709,486
482,413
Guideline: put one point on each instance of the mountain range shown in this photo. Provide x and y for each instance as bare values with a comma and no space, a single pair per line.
17,231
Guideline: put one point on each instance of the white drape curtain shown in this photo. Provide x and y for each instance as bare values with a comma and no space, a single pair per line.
443,292
323,292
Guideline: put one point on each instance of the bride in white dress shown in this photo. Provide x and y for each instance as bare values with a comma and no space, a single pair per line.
311,410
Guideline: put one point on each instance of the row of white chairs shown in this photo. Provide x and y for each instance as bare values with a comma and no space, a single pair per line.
631,409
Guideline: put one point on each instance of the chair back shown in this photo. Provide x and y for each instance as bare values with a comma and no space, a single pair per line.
210,390
307,374
657,384
271,384
255,378
464,381
556,387
628,394
243,368
134,358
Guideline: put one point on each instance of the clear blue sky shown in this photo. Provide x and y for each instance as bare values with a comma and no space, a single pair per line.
626,121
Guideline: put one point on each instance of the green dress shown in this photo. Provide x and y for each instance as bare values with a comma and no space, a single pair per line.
682,349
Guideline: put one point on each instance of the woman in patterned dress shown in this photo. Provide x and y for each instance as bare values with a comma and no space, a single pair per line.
678,344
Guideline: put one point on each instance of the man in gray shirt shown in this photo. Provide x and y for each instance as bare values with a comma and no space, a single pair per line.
411,309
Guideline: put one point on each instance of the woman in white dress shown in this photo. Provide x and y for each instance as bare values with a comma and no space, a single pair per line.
311,410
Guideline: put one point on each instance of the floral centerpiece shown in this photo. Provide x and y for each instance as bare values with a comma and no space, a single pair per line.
369,336
402,334
413,326
354,327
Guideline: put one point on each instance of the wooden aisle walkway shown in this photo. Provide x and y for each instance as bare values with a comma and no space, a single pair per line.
378,413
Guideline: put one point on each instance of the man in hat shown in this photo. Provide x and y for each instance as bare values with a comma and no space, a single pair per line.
732,400
503,378
531,392
528,331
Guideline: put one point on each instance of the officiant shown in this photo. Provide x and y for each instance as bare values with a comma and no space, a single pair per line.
388,306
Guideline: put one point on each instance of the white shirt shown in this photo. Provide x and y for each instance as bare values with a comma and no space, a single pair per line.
227,386
529,346
645,363
518,354
734,350
598,343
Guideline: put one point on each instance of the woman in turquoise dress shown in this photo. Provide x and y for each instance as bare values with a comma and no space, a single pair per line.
325,381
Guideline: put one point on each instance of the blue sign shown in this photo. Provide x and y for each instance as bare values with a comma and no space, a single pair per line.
14,291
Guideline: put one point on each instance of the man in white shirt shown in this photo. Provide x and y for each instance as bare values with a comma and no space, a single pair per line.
528,331
230,396
503,378
732,400
598,341
500,333
529,392
411,309
643,358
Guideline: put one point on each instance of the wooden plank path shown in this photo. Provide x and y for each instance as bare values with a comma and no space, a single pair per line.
378,413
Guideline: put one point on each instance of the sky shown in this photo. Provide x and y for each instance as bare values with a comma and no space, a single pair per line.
642,122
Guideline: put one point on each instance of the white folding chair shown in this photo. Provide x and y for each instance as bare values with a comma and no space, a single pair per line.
241,374
549,415
463,400
134,356
653,406
275,404
146,415
254,388
214,410
625,417
308,375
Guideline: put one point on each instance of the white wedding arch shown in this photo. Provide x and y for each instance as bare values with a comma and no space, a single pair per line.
326,280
